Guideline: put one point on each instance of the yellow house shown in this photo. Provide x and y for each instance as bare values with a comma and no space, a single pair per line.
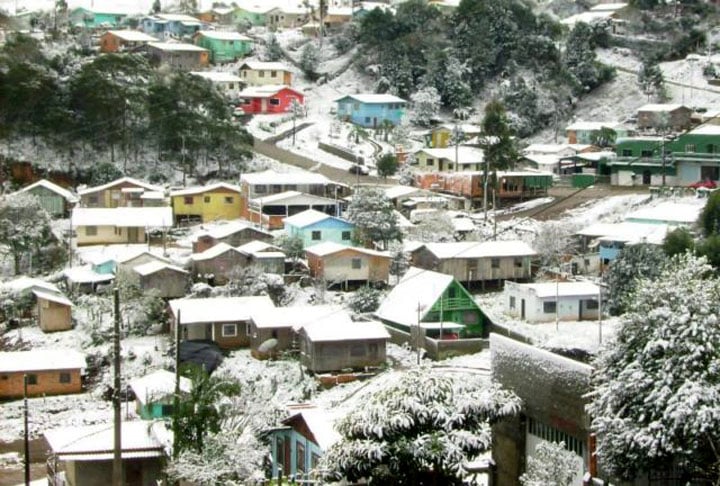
256,73
206,203
442,135
104,226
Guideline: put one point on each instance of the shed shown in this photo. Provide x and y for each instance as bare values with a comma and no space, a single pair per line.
167,280
49,372
54,311
56,200
542,302
154,393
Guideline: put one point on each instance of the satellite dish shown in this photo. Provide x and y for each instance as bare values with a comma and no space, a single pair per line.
267,346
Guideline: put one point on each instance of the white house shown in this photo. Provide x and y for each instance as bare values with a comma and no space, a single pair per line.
543,302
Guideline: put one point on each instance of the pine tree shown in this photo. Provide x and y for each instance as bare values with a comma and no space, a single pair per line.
632,263
425,106
273,51
309,60
372,213
652,81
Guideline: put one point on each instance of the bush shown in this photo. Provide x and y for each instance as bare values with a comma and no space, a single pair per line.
365,299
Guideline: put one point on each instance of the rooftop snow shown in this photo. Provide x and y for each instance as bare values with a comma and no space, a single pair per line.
265,91
660,107
562,289
292,317
146,217
668,212
203,189
264,66
284,178
418,289
122,180
218,309
483,249
306,218
178,18
132,36
157,384
591,125
320,423
69,196
339,327
330,247
153,267
24,283
41,360
546,148
53,297
399,191
465,155
213,252
176,46
95,442
706,130
373,98
221,35
224,229
257,246
293,197
218,76
85,275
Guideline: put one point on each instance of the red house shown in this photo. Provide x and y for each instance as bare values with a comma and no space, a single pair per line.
269,99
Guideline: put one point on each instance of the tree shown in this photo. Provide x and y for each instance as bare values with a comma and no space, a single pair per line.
552,465
365,299
580,59
387,165
710,216
156,7
678,241
652,81
373,215
634,262
554,241
406,172
24,229
420,429
425,106
656,399
604,138
309,61
292,246
710,248
500,152
273,51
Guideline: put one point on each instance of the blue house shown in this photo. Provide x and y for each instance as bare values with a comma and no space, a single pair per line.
317,227
370,110
154,393
170,25
298,446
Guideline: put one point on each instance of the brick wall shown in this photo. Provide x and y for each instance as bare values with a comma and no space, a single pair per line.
48,383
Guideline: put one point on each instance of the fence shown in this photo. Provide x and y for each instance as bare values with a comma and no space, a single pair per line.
435,348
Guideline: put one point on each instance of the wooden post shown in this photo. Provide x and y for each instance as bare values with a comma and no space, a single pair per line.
176,395
117,422
27,432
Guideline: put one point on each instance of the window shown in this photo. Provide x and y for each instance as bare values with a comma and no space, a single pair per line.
690,148
90,230
244,74
277,188
591,304
65,378
346,235
32,380
229,330
188,199
356,106
4,377
261,189
518,262
646,153
367,119
357,350
166,410
118,231
316,235
450,167
495,262
280,451
314,461
356,263
300,457
373,350
246,101
273,74
231,86
627,152
274,101
711,149
452,293
430,162
550,307
291,187
248,330
206,199
551,434
512,302
229,199
261,74
92,200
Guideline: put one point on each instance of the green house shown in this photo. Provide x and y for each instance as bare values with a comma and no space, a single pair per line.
154,393
254,14
224,46
56,200
94,19
437,303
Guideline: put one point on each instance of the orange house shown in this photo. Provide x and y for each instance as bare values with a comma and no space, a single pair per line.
340,264
123,40
49,372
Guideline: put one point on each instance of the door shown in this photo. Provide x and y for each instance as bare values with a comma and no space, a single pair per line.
133,235
522,309
374,122
646,178
580,309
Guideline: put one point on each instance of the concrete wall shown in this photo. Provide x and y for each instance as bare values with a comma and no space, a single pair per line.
48,383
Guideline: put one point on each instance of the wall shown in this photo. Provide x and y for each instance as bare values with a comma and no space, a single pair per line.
51,202
48,383
221,266
210,206
254,78
169,283
138,472
330,230
53,316
335,356
568,306
107,235
338,267
241,340
284,335
473,269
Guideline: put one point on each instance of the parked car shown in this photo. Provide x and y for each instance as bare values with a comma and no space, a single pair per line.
359,169
707,184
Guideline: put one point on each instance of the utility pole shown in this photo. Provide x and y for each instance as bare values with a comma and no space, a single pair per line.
176,396
27,431
117,472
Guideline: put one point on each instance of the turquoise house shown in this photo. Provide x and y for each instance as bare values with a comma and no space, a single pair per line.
317,227
224,46
56,200
154,394
299,444
93,19
371,110
253,13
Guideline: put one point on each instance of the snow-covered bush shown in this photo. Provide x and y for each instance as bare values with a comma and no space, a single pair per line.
425,105
365,299
634,262
372,213
552,465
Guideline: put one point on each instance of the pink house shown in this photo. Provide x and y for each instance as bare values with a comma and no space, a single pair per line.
269,99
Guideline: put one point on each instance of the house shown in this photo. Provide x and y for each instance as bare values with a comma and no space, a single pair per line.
124,40
470,185
474,261
54,311
92,18
256,73
450,159
187,57
234,233
673,214
260,184
118,225
264,256
48,371
217,15
155,392
224,46
227,83
336,17
218,263
661,117
443,136
168,281
206,203
556,158
341,264
586,132
225,320
316,227
251,12
297,446
170,25
87,453
611,238
546,301
270,211
371,110
435,302
82,279
54,199
125,262
287,16
282,325
268,99
335,343
125,191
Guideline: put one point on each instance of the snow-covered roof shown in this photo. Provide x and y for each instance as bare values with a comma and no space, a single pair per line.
156,195
293,197
466,128
224,35
153,267
146,217
256,6
257,246
373,98
418,288
41,360
176,46
306,218
660,107
24,283
591,125
284,178
122,180
586,17
132,35
608,7
463,224
402,221
178,18
708,129
627,232
225,229
218,309
53,297
465,155
86,275
265,91
264,66
399,191
129,256
157,384
190,191
595,156
320,424
50,186
546,148
340,327
667,212
329,247
482,249
562,289
213,252
96,442
218,76
295,317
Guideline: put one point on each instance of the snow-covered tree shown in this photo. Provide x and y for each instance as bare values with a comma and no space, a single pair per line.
634,262
581,61
24,229
406,173
553,241
709,218
425,105
652,82
387,164
433,227
273,51
372,213
552,465
419,429
365,299
656,402
309,61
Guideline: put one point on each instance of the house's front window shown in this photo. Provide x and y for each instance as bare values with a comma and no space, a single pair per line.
65,378
261,74
646,153
300,457
356,263
627,152
316,235
91,230
188,200
495,262
229,330
206,199
273,74
261,189
430,162
229,199
518,262
690,148
274,101
591,304
549,307
32,379
346,235
357,350
512,301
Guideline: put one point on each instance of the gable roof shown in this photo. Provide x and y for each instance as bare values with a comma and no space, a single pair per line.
121,180
319,423
121,217
58,298
190,191
157,385
480,249
217,76
310,217
41,360
219,231
23,283
293,317
418,289
329,247
339,327
562,289
661,107
273,177
257,246
372,99
465,154
176,46
266,91
153,267
213,252
224,35
218,309
60,191
264,66
95,442
293,197
667,212
132,35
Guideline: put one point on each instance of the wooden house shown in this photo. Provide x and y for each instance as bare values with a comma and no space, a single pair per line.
315,227
92,18
49,372
336,17
340,264
168,281
269,99
251,12
661,117
546,301
126,261
123,192
257,73
56,200
217,15
270,211
96,226
260,184
450,160
224,46
287,16
474,261
264,256
435,302
444,136
335,343
225,320
586,132
218,263
155,392
511,185
206,203
54,311
166,26
124,40
227,83
234,233
187,57
83,455
371,110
